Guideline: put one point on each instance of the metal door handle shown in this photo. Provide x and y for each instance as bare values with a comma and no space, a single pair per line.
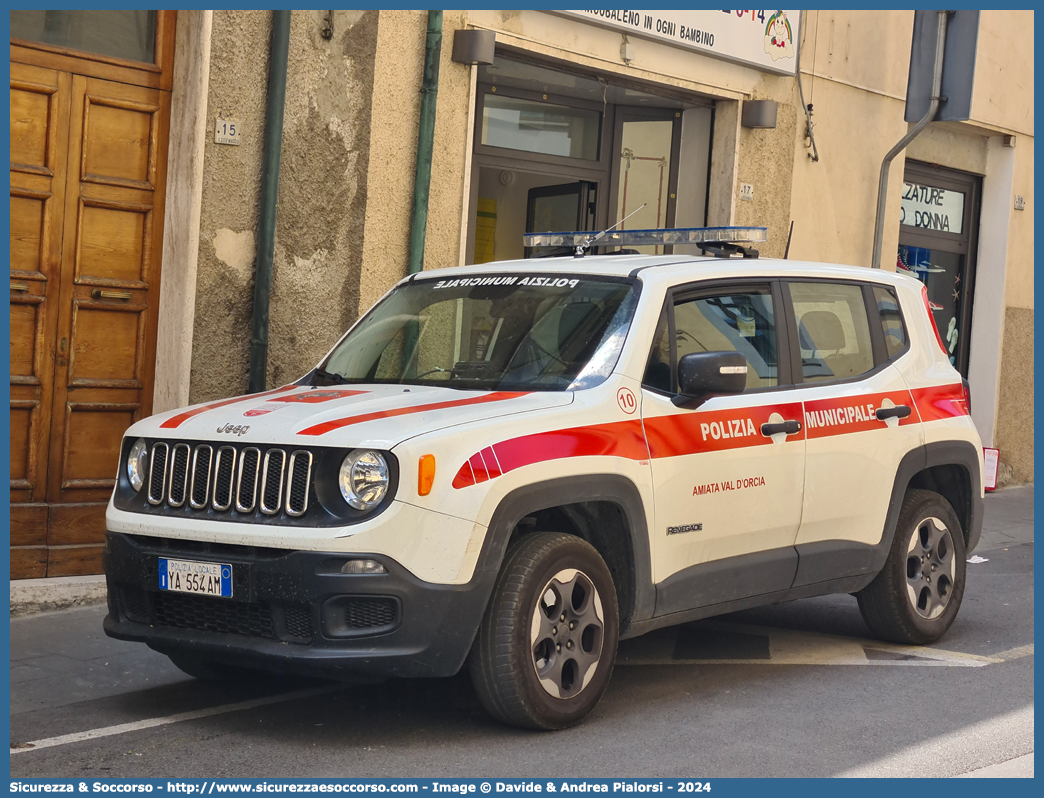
99,293
899,411
19,287
789,427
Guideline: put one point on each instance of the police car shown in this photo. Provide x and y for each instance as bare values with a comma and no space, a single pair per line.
510,467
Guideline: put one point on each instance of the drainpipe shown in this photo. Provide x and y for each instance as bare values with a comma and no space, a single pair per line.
882,185
279,49
425,142
814,155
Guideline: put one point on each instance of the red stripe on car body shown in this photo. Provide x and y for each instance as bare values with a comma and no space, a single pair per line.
478,468
465,476
682,434
617,439
489,457
329,426
176,421
840,415
716,430
939,402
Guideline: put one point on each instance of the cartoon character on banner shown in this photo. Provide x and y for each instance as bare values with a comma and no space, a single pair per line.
779,38
951,338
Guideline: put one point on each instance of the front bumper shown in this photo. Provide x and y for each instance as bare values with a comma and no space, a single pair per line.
294,611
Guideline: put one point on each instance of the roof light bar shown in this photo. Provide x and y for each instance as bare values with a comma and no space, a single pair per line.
678,236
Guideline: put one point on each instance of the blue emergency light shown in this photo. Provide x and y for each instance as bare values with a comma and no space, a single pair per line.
719,241
677,236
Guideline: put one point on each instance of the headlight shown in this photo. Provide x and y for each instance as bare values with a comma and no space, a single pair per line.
363,479
138,464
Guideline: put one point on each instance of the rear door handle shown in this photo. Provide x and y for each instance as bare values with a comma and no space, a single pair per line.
899,411
789,427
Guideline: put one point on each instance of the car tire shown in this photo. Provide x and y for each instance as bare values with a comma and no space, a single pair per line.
546,645
916,596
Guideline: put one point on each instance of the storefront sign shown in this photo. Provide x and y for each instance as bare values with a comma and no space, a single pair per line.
766,40
931,208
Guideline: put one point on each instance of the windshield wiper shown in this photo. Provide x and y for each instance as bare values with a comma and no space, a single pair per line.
332,376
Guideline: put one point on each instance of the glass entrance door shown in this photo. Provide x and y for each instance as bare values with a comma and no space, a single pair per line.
568,206
937,240
646,170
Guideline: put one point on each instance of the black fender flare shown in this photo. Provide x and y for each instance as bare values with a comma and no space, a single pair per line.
611,488
959,453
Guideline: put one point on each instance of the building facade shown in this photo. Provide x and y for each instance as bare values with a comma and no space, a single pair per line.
135,209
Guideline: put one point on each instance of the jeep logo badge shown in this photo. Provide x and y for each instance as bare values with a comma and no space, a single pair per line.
238,429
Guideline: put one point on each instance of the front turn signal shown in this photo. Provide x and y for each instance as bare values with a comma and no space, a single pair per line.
425,474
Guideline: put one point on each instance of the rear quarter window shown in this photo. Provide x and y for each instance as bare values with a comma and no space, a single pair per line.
891,320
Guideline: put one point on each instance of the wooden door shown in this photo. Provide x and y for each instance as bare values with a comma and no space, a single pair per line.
39,156
106,332
88,172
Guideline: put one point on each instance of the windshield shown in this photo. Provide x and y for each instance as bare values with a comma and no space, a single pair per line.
495,332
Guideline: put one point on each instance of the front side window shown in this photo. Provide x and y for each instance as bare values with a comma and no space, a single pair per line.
490,332
734,321
833,331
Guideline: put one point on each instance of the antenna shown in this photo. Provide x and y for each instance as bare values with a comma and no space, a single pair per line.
586,244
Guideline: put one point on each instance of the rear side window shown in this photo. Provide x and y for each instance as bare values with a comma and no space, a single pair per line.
833,331
891,320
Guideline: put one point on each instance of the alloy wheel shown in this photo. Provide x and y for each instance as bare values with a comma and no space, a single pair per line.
566,632
931,568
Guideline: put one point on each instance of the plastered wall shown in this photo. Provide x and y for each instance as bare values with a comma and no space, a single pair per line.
322,195
228,216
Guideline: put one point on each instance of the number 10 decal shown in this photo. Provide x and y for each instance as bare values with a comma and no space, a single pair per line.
626,400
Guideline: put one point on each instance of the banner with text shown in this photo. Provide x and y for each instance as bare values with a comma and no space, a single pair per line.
766,40
931,208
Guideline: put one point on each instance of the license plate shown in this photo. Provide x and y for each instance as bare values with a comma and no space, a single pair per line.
201,578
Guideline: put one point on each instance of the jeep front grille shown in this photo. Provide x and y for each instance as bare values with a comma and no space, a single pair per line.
158,472
300,480
224,477
199,492
272,481
178,475
248,479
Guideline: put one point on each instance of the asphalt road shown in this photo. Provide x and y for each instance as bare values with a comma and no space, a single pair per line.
798,689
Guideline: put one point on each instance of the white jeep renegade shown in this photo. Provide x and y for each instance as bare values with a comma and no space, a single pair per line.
514,465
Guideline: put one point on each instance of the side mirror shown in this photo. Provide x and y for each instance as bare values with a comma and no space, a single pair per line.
705,374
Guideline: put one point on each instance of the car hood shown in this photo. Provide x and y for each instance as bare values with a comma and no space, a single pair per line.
373,416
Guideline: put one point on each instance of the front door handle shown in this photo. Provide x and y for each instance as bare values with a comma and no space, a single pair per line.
789,427
885,413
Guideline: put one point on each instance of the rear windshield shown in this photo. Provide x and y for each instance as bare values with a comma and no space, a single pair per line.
495,331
